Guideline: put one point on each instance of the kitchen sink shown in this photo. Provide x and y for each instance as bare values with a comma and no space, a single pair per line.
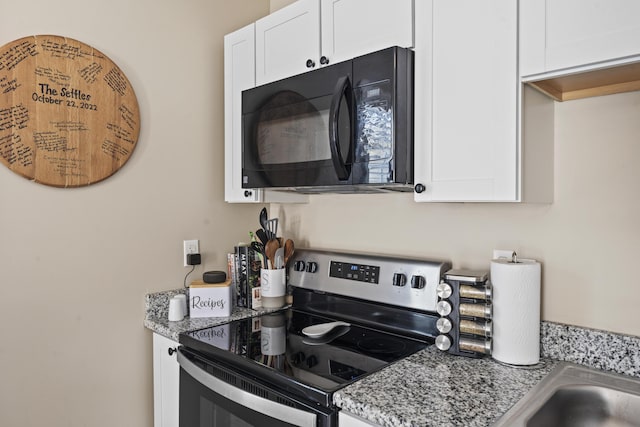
573,395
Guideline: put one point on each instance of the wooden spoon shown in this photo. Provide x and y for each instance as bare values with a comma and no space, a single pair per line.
270,251
288,250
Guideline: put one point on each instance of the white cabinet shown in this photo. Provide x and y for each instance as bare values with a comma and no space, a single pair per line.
352,28
562,34
347,419
166,384
466,100
311,33
288,41
239,74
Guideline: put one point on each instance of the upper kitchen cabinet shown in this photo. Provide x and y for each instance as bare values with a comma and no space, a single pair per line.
352,28
579,48
311,33
288,41
466,101
239,74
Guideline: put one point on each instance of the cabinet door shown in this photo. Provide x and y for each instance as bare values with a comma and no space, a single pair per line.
466,141
239,74
287,40
352,28
166,382
558,34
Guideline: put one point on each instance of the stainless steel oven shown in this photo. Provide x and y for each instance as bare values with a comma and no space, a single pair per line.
214,395
268,370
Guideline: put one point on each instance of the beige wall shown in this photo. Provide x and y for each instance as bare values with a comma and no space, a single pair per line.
75,264
588,240
279,4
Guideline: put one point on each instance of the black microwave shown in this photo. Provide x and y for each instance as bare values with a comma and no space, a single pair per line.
346,127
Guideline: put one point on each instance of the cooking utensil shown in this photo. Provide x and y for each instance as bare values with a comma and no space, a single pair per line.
288,250
279,258
321,329
263,218
270,251
272,228
262,236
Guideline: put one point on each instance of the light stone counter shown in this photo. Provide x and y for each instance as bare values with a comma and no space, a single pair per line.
432,388
156,319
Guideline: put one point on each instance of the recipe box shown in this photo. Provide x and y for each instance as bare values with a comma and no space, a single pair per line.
210,299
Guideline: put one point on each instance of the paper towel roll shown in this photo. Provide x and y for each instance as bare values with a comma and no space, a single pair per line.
516,308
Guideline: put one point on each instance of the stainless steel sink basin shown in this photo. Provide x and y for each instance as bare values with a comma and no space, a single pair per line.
573,395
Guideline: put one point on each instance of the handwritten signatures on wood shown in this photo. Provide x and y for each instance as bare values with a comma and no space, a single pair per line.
68,115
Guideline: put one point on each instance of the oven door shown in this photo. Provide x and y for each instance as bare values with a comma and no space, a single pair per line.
213,395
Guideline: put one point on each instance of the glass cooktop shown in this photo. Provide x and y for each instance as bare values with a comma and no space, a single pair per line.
274,345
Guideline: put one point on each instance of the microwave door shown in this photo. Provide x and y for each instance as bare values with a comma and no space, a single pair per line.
299,133
289,134
341,129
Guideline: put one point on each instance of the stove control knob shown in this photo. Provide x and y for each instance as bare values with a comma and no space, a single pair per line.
399,279
299,265
443,290
312,267
443,342
418,282
312,361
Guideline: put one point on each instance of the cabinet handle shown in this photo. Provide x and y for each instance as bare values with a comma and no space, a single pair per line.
247,193
171,351
310,63
419,188
324,60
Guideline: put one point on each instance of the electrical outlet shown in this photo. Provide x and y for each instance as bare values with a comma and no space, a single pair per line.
190,247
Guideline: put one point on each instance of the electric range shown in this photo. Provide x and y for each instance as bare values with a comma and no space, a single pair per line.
264,371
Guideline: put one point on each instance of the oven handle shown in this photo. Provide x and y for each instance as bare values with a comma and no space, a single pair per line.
246,399
343,90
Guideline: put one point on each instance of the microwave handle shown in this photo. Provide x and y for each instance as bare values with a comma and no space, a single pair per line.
343,90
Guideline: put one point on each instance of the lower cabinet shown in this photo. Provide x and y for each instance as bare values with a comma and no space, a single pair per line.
166,385
347,419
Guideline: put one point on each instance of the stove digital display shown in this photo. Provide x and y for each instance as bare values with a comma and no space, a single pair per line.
358,272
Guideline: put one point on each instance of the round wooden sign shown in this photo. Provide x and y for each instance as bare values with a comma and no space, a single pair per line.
68,115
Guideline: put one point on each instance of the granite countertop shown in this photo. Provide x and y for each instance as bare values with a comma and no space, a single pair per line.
156,319
433,388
